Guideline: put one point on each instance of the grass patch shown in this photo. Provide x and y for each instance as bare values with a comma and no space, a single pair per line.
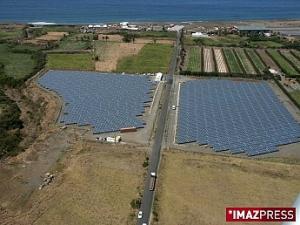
282,62
152,58
194,59
17,65
70,61
232,61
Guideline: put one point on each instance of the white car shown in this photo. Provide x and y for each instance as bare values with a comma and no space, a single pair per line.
144,224
173,107
140,215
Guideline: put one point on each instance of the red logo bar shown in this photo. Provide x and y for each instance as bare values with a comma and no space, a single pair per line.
260,214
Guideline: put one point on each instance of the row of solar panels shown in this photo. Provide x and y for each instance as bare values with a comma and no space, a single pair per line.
107,102
236,116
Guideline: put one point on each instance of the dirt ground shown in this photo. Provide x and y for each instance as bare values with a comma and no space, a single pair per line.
196,188
94,184
52,36
109,53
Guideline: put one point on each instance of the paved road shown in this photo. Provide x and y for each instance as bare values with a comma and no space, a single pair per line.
148,196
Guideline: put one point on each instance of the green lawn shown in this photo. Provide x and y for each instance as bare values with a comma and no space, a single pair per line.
152,58
17,65
194,59
232,61
256,60
296,95
70,61
282,62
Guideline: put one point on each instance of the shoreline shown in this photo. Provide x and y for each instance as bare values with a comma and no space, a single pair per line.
194,22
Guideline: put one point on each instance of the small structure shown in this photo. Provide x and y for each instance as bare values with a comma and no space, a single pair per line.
157,28
252,30
158,77
199,35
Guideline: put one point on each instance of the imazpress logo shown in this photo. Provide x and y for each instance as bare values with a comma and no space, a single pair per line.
260,214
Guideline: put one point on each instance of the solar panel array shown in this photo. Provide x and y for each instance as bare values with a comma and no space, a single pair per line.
243,117
108,102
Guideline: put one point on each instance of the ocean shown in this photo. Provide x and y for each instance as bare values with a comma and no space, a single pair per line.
101,11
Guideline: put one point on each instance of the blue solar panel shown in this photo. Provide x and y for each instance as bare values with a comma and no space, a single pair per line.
108,102
243,117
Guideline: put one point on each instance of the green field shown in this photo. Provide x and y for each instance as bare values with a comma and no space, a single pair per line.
152,58
194,59
282,62
296,95
265,44
256,60
220,41
290,57
232,61
249,69
17,65
70,61
11,34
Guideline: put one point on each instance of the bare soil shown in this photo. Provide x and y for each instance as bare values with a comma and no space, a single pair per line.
52,36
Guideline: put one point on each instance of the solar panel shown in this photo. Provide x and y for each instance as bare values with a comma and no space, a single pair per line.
108,102
242,117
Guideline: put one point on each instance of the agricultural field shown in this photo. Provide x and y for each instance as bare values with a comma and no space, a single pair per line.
17,65
233,61
221,63
110,53
209,65
256,60
194,63
267,59
150,59
285,66
189,180
75,43
296,54
11,32
291,58
70,61
249,68
219,41
296,95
